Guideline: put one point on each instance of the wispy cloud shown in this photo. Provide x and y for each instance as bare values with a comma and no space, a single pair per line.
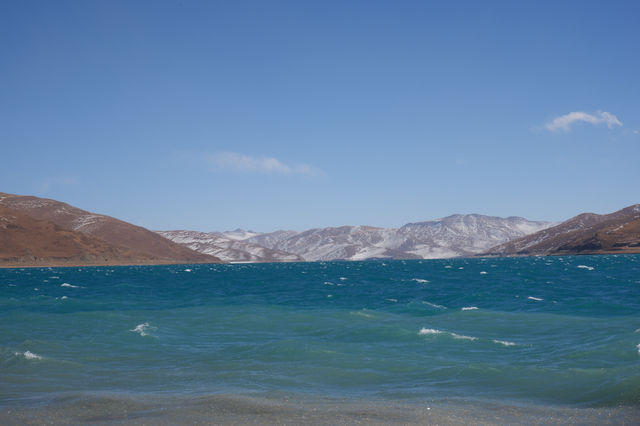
564,122
265,165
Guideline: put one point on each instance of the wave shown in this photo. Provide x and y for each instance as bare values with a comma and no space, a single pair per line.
589,268
503,342
28,355
420,280
143,329
427,331
434,305
424,331
69,285
469,308
537,299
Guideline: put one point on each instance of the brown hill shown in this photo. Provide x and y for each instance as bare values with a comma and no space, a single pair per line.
108,229
25,241
587,233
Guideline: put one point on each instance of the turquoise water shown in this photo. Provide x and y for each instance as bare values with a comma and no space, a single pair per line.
552,331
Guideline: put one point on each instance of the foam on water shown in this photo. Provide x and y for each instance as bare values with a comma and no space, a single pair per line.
143,329
537,299
589,268
423,331
463,337
69,285
469,308
28,355
503,342
420,280
432,331
434,305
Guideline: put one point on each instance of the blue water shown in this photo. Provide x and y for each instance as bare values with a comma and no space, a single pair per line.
557,331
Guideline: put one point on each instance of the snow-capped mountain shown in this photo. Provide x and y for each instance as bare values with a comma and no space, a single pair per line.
237,234
452,236
227,248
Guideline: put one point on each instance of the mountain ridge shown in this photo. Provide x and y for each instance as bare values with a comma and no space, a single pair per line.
26,241
110,230
452,236
228,249
586,233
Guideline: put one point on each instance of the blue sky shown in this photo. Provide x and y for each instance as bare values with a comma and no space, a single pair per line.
273,115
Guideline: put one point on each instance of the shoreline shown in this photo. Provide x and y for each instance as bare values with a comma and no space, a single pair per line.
105,264
179,262
297,409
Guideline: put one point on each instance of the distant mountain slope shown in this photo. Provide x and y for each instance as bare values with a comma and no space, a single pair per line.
586,233
108,229
28,241
457,235
229,249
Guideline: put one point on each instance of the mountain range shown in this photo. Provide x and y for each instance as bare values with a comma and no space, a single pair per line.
453,236
43,232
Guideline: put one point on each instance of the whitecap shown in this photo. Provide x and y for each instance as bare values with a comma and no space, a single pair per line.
142,329
427,331
329,295
420,280
461,267
448,267
638,346
327,283
434,305
392,300
424,331
469,308
589,268
483,272
69,285
187,270
29,355
504,342
537,299
343,279
460,336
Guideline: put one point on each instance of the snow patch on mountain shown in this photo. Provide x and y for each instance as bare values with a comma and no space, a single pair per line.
228,249
452,236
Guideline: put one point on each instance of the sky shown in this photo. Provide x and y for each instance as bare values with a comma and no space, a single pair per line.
266,115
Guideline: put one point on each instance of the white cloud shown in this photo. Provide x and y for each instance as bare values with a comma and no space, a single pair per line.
266,165
564,122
